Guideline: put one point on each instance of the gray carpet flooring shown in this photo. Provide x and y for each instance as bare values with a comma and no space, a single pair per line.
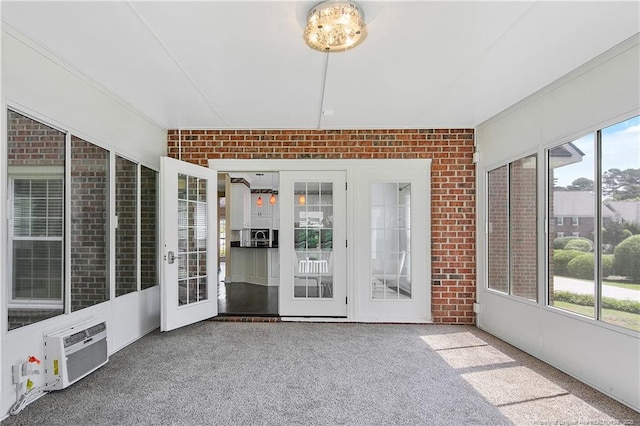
225,373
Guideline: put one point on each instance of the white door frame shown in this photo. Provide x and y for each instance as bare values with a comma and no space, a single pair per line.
350,167
417,308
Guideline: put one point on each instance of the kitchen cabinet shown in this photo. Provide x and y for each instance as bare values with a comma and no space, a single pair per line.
273,257
240,209
255,265
275,215
260,216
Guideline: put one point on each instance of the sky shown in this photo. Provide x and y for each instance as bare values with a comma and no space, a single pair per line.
620,150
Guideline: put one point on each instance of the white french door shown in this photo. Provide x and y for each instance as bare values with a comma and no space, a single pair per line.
188,226
313,278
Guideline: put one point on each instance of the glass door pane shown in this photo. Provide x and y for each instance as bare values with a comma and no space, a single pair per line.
313,240
390,205
192,239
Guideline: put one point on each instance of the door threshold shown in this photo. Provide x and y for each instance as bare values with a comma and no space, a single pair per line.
315,319
245,318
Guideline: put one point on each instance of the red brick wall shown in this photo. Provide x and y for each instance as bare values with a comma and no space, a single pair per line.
453,190
498,206
126,256
89,224
31,143
524,235
148,228
512,208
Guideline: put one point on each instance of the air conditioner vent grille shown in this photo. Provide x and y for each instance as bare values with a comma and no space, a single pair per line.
75,338
78,363
96,329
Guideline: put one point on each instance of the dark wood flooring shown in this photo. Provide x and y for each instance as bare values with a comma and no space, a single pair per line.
243,299
247,299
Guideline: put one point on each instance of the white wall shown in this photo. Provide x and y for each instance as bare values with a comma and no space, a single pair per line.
600,93
36,83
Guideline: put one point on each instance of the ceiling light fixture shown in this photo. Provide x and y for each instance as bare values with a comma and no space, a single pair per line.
335,26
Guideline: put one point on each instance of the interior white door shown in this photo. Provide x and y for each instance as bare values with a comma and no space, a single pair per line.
312,241
188,224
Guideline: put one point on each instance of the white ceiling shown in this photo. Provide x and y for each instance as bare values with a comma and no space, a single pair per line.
240,64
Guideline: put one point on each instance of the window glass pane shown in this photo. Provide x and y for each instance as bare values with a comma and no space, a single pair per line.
37,270
126,253
523,233
148,227
620,198
390,211
89,224
571,196
35,153
498,239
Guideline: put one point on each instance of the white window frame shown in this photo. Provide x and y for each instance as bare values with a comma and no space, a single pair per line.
33,173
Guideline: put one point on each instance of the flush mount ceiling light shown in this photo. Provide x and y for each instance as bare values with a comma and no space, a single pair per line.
335,26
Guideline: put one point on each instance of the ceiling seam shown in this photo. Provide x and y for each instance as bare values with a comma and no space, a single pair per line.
323,86
484,52
177,62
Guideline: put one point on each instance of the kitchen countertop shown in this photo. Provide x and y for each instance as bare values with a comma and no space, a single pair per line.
237,245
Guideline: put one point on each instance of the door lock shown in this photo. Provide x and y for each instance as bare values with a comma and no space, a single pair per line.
171,257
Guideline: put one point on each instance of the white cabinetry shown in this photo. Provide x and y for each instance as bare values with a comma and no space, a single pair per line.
260,216
240,214
273,257
275,215
255,265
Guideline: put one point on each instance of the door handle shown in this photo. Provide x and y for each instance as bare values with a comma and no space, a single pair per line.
171,257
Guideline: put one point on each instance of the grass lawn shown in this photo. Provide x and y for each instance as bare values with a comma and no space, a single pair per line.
623,319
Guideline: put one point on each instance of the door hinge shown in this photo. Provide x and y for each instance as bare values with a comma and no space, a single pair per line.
346,243
346,299
345,186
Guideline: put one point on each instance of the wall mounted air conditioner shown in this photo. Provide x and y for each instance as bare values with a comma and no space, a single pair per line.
73,353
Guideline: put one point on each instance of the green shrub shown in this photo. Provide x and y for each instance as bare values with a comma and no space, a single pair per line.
633,227
581,266
626,234
627,258
561,259
607,302
581,244
573,298
561,242
606,264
